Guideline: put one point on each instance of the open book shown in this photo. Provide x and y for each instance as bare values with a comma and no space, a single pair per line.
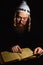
11,56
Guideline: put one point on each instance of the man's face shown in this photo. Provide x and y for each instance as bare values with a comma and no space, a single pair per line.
21,21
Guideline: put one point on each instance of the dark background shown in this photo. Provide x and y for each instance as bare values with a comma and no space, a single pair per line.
6,15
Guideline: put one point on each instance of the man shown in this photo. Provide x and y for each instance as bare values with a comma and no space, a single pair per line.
21,28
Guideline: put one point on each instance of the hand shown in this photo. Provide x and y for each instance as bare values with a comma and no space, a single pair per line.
38,50
16,48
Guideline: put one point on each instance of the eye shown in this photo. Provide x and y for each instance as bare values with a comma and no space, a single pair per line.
19,17
22,18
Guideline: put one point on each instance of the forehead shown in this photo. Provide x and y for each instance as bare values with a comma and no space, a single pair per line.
23,14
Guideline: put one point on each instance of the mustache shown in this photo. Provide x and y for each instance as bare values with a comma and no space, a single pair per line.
18,23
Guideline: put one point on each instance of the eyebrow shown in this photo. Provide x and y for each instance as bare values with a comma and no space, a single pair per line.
21,17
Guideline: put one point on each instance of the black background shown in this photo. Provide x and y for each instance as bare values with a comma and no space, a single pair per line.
6,15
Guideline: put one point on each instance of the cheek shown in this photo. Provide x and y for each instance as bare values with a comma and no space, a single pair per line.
17,20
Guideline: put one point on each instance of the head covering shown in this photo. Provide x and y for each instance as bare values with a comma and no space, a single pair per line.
24,7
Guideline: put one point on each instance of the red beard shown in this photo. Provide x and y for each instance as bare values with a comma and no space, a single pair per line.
20,28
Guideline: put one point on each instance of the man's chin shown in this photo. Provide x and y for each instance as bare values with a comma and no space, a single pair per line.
20,29
21,26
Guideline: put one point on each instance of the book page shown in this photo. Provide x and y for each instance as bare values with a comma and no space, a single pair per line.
26,53
9,56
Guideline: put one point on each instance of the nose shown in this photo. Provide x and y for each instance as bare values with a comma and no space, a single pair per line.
21,21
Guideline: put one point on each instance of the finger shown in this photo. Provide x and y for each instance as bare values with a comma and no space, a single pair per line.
19,49
14,49
35,51
40,51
